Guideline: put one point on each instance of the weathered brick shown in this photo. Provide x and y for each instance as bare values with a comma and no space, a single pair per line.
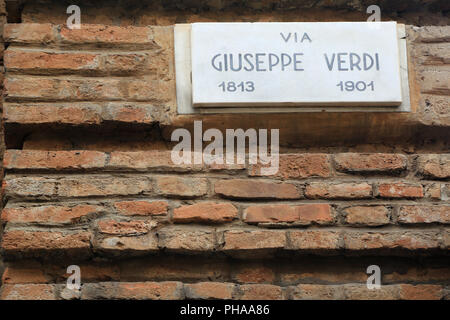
26,241
142,208
117,245
253,239
86,89
182,187
50,215
167,290
433,191
39,187
103,186
436,166
154,160
210,290
283,213
313,240
29,33
187,239
421,292
372,163
53,160
209,212
59,113
297,166
424,214
39,62
125,228
256,189
28,292
109,36
261,292
367,215
361,292
400,190
344,190
317,292
410,240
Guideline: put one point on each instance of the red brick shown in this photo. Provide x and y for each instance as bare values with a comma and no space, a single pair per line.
424,214
39,62
344,190
367,215
411,240
86,89
182,187
142,208
375,163
253,239
29,33
283,213
24,241
421,292
261,292
28,292
131,113
50,214
256,189
313,240
209,212
82,113
297,166
124,228
209,290
108,35
53,160
435,166
168,290
187,239
400,190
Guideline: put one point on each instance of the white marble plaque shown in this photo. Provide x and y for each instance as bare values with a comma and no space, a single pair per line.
295,64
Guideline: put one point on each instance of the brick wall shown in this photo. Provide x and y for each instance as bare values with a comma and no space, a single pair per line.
90,182
2,145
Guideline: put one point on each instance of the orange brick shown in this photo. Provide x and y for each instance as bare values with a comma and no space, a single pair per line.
210,290
279,213
297,166
50,214
142,208
400,190
54,160
376,162
367,215
257,189
205,212
424,214
344,190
